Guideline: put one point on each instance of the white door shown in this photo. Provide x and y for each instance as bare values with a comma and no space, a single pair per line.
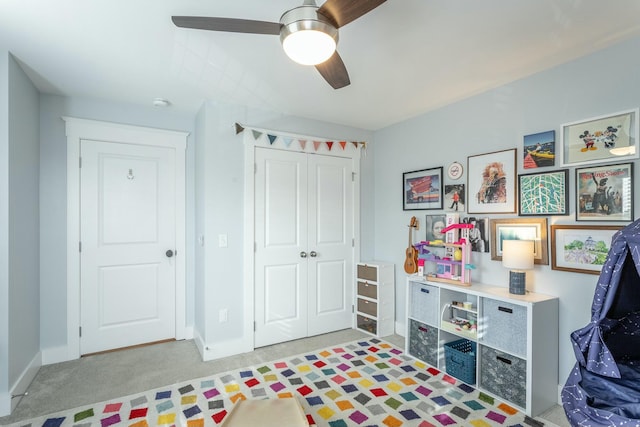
330,243
303,260
128,278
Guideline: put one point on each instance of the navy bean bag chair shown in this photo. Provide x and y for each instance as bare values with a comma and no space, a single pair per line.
603,389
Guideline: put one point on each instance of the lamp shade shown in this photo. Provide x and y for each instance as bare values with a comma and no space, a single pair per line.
517,254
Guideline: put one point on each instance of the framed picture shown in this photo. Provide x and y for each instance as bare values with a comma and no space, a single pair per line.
433,225
543,193
520,229
599,139
539,150
605,193
454,198
422,189
491,182
580,249
478,236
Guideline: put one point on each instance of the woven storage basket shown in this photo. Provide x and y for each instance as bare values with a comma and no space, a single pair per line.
460,359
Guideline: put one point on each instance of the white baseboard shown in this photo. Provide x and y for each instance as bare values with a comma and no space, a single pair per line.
61,353
55,355
221,349
7,404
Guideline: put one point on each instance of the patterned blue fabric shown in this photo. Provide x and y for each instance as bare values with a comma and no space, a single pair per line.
606,349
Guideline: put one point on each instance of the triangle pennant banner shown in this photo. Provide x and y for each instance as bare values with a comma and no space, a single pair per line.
303,143
239,128
287,140
256,134
355,143
329,144
272,138
343,144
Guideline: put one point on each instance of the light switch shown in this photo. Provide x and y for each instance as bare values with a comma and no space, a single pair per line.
222,240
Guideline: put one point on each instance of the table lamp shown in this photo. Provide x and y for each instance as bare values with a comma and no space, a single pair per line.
517,255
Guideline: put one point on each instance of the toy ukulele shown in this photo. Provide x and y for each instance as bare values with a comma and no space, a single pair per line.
411,261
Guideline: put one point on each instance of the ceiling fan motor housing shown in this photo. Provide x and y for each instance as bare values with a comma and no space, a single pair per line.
305,18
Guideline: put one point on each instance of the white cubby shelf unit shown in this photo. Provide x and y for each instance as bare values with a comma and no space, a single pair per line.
515,336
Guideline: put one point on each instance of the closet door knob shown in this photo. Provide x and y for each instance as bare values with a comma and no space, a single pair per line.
313,254
303,254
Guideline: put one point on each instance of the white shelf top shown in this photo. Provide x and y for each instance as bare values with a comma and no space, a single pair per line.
496,292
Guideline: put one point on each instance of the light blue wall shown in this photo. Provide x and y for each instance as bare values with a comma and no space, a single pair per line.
220,207
5,402
603,83
19,232
215,186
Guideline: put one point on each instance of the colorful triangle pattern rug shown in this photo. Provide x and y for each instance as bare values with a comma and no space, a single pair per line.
362,383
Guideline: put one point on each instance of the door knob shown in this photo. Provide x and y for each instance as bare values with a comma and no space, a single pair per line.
303,254
313,254
169,253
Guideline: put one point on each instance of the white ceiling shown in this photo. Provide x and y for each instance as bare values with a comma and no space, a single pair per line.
404,58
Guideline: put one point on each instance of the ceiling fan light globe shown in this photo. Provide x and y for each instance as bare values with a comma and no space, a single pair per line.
309,47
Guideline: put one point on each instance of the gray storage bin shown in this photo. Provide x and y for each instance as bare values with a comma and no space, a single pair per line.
503,375
425,305
505,326
423,342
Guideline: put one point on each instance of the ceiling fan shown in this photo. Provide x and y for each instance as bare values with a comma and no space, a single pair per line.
308,33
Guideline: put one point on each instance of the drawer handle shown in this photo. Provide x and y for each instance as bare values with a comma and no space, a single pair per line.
422,329
425,290
506,309
503,360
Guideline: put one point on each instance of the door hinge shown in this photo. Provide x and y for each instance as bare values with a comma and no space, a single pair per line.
254,326
255,168
255,246
353,176
80,331
80,162
79,246
353,243
352,308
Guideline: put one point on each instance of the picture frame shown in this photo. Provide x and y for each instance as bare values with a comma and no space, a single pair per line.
520,229
433,226
605,193
612,137
422,189
453,203
543,193
491,182
581,248
539,150
478,236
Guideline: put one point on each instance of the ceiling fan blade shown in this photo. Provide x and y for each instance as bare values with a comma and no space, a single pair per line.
227,24
341,12
334,71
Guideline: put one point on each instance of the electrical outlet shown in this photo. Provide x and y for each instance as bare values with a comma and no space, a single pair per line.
223,315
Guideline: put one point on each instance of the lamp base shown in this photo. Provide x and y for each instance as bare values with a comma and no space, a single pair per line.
517,282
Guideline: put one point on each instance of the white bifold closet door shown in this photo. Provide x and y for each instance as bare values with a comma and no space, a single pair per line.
304,245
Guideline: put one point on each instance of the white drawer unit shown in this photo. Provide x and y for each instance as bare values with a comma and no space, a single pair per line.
515,337
375,298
